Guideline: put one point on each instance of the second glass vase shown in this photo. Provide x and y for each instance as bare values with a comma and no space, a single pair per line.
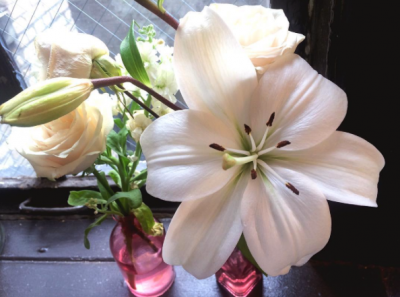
238,276
139,257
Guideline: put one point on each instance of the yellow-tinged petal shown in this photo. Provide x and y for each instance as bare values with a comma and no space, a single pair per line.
68,54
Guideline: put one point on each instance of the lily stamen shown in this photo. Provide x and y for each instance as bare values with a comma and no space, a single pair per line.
222,149
247,129
235,151
273,172
228,161
217,147
269,124
279,145
253,174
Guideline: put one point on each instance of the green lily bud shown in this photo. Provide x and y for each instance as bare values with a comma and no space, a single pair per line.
45,102
105,66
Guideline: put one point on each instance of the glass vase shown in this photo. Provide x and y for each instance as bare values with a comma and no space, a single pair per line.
238,275
139,258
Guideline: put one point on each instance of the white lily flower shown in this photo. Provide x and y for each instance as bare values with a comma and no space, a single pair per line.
276,174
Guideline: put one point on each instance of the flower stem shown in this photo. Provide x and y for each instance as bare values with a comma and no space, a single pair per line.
111,81
140,103
166,17
123,103
105,184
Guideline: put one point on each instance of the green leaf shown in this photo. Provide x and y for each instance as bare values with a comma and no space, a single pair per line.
131,58
102,159
118,122
134,197
115,177
141,175
103,186
82,197
160,5
242,245
146,220
114,142
91,226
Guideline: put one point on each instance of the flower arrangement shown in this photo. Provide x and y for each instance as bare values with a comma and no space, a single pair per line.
253,159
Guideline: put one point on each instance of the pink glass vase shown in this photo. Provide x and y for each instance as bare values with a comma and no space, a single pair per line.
238,275
138,255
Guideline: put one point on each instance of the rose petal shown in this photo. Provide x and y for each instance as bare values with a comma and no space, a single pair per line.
281,228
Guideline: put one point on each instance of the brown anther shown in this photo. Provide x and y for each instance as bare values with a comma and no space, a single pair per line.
283,143
271,119
217,147
253,174
247,129
292,188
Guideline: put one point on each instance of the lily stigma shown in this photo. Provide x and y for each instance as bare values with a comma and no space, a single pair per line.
255,155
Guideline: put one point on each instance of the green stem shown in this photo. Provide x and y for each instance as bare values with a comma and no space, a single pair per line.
138,154
140,176
147,102
105,184
110,212
117,80
141,183
166,17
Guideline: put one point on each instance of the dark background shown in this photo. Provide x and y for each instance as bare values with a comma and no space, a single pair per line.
353,43
359,56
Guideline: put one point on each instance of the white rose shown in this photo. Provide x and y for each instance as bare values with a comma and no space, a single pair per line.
262,32
69,144
67,54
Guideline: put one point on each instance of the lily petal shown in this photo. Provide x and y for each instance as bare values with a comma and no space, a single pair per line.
204,232
180,163
213,72
281,228
308,107
344,166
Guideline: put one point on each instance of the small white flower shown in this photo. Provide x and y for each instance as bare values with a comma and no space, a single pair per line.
132,158
149,58
166,53
137,124
160,108
165,83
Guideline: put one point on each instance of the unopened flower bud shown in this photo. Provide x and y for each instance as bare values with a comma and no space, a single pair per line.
45,102
105,66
